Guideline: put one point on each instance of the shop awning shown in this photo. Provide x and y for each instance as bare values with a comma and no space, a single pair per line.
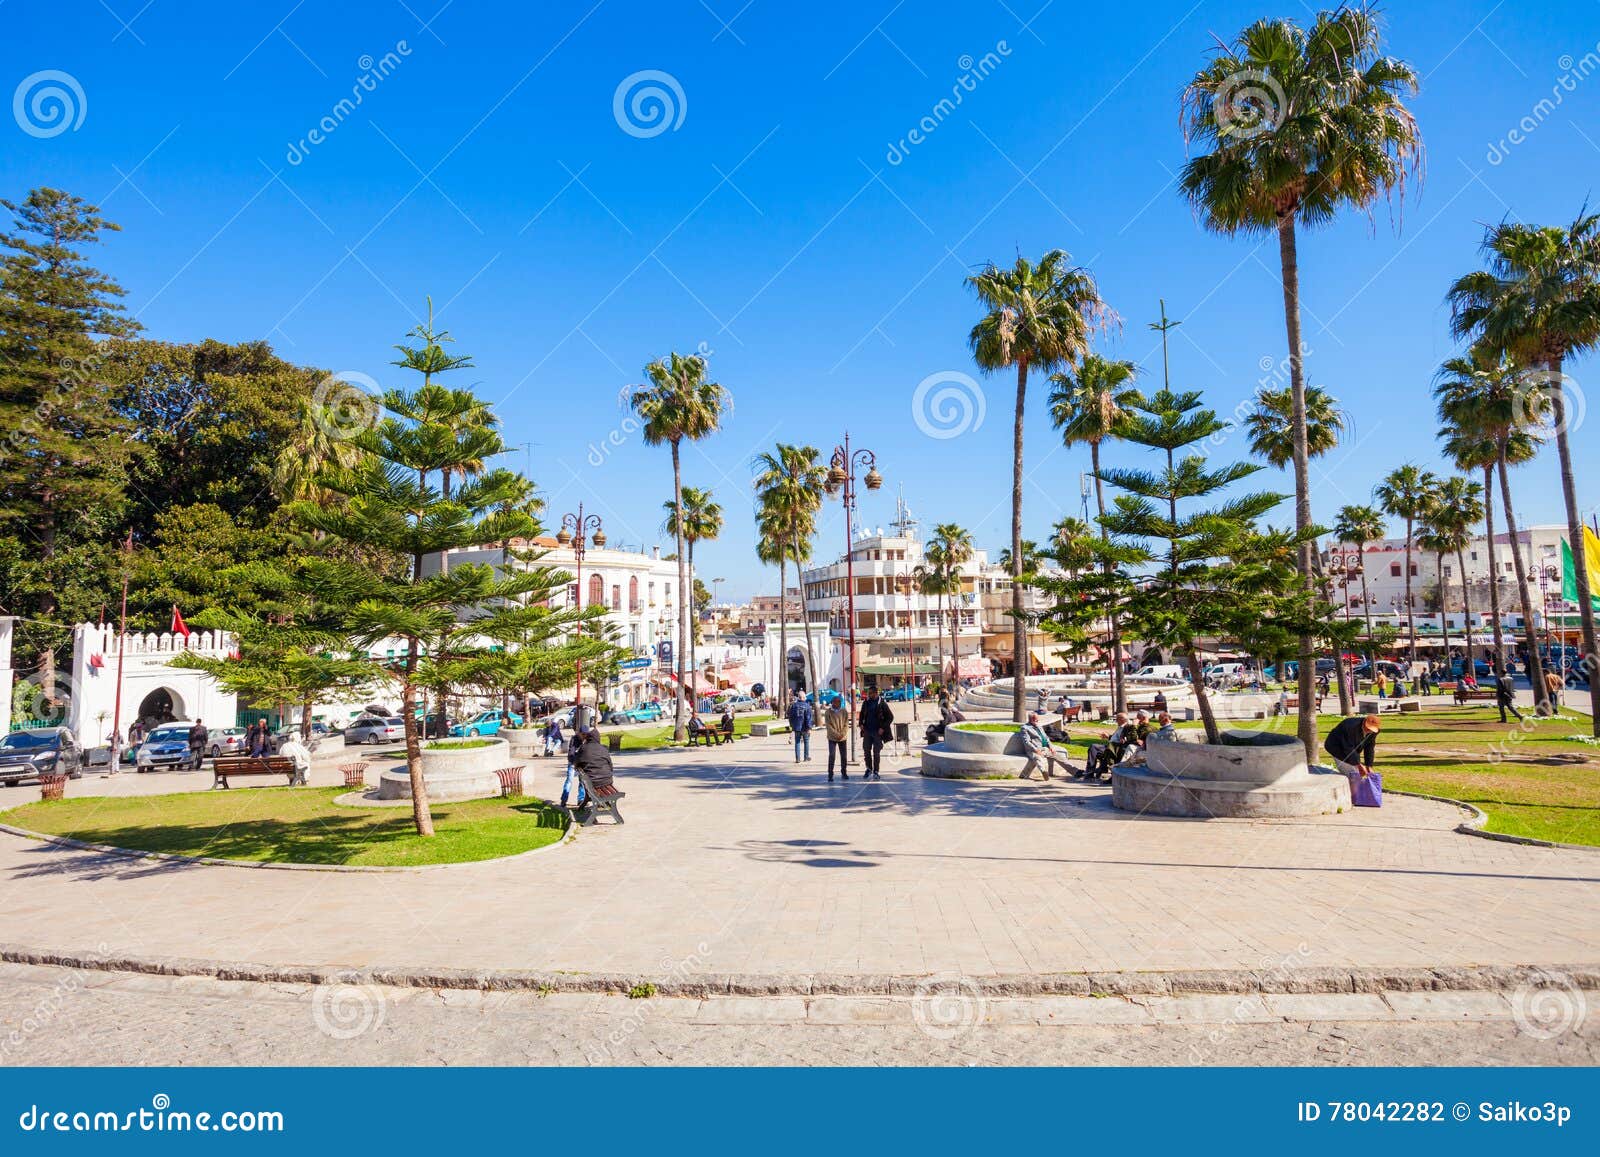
920,667
1047,658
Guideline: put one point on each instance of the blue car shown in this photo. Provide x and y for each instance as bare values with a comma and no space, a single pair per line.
903,693
487,723
644,713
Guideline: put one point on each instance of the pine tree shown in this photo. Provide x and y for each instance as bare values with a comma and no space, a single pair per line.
65,449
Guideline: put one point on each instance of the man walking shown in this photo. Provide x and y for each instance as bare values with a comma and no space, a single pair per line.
1553,685
198,737
877,726
1040,748
1505,695
801,720
838,725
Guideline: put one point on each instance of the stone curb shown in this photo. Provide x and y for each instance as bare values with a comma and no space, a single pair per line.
567,836
1475,977
1473,826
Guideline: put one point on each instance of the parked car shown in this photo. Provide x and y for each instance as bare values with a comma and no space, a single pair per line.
487,723
165,746
228,741
37,751
319,730
901,694
1163,671
643,713
1480,667
375,729
737,703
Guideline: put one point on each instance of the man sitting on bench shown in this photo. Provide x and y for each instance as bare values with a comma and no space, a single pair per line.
1104,756
697,731
725,727
593,764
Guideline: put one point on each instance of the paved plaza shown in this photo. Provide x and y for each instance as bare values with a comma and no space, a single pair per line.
736,861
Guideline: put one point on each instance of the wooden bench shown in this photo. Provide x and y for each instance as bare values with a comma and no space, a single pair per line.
1478,696
355,774
597,801
1144,705
233,767
708,737
510,780
1070,714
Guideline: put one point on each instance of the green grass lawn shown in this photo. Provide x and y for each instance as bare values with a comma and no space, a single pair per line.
987,726
296,825
1531,781
456,744
656,738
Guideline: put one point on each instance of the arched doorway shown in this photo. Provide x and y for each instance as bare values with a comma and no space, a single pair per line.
161,705
796,669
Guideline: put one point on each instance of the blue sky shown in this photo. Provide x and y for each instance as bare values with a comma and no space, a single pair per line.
784,223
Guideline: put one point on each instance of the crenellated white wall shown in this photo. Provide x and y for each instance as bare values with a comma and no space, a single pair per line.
146,669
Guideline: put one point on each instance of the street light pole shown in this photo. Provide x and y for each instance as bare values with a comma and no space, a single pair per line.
575,530
716,629
906,583
842,480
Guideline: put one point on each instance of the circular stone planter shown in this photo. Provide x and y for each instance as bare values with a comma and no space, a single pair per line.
968,753
526,742
1250,775
451,773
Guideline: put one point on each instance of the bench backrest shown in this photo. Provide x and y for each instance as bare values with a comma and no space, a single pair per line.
244,764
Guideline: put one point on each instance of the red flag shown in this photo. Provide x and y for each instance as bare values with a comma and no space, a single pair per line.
179,627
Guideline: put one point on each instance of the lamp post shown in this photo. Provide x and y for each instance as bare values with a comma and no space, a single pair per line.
575,530
842,481
716,628
906,584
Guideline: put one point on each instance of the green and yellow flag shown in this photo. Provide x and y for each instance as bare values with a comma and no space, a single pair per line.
1569,577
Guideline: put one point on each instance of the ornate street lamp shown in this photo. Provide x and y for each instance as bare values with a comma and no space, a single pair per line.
842,482
907,584
575,528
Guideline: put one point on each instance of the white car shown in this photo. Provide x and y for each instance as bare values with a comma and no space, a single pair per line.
165,746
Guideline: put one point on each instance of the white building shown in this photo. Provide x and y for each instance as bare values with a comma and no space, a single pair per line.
152,689
1384,566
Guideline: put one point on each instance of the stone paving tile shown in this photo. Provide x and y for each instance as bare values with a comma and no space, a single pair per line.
1449,1005
754,867
1310,1006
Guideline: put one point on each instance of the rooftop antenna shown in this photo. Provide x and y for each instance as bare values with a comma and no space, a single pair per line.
905,523
1083,493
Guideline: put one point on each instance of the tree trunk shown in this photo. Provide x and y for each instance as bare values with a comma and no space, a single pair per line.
1541,693
1494,587
805,621
1466,614
1339,664
1366,609
1019,626
1202,699
408,708
680,730
1302,471
1444,609
694,623
1119,692
783,633
1580,567
1411,618
955,637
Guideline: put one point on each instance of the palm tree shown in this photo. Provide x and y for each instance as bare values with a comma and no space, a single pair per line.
1070,546
1539,302
1030,556
1456,506
771,540
702,521
789,482
949,549
678,404
1487,398
1087,407
1360,525
1300,123
1405,493
1271,425
1039,318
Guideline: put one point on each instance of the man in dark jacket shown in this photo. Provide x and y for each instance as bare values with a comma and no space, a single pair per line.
1353,743
198,736
877,728
594,760
1505,695
801,720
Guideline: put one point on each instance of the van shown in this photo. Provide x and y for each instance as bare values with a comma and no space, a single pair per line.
1224,671
1162,671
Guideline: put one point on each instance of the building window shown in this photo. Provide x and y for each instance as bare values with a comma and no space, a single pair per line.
572,594
633,593
1447,571
616,596
1474,556
1394,570
597,591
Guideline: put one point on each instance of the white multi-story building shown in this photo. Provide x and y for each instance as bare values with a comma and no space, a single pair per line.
1384,564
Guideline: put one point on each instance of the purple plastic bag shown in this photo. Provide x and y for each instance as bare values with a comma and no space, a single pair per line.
1366,790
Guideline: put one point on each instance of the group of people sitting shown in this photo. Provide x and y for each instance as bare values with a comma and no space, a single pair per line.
1128,738
702,732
